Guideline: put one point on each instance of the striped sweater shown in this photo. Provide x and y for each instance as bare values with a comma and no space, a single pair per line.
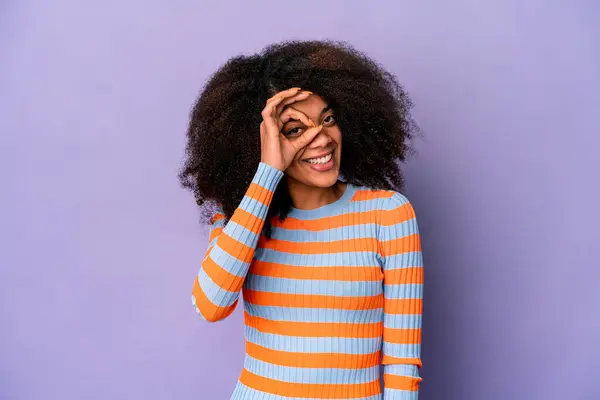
335,293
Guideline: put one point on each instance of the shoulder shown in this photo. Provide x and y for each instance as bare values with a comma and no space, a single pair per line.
383,201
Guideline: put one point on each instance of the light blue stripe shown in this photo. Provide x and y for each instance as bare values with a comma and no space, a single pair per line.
318,287
404,260
228,262
397,200
253,207
328,210
402,350
396,394
347,259
241,234
311,375
403,291
299,314
376,204
243,392
267,176
401,370
216,294
363,231
299,344
398,321
399,230
212,242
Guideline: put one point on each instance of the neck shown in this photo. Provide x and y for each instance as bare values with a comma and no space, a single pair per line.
305,197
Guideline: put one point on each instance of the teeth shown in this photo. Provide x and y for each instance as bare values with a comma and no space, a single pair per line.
321,160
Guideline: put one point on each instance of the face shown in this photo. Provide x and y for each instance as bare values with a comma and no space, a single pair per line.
317,164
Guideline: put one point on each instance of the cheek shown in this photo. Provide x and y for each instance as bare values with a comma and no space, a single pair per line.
297,158
336,134
295,171
295,166
337,137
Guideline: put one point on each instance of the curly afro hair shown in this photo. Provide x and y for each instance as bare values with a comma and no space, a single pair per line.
223,141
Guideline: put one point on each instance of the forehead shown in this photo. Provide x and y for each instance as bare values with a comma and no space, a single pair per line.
311,106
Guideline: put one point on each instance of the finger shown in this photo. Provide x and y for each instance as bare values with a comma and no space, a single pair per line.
306,137
296,97
294,114
284,94
263,128
291,100
267,115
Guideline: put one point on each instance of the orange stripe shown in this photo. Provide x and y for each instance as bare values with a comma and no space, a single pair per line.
389,360
403,306
312,300
259,193
312,360
397,215
310,390
209,310
315,329
317,273
248,220
383,217
214,233
401,382
338,221
235,249
404,276
402,336
362,194
222,277
405,244
336,246
217,217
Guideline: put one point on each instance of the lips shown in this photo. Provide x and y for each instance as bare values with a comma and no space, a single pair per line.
318,156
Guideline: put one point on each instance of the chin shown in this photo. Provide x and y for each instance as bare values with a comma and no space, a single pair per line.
313,178
323,180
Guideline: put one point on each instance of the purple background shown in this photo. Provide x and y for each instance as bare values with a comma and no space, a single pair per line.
100,246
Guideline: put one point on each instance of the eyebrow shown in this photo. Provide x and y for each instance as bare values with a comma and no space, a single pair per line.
323,111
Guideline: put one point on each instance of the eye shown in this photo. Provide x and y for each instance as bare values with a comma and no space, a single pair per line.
329,120
293,132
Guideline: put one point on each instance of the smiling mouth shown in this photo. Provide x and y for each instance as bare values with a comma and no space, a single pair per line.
320,160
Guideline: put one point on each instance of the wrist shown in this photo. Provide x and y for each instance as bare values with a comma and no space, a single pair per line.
271,164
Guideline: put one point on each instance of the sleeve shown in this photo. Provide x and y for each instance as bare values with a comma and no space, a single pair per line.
231,247
402,261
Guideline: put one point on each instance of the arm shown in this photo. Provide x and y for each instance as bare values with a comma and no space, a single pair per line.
403,292
231,247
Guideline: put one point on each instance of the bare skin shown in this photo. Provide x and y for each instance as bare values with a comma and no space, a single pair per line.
291,141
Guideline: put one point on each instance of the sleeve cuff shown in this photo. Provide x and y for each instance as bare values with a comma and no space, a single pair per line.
267,176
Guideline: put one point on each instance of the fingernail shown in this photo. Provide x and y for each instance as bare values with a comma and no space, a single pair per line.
312,123
306,91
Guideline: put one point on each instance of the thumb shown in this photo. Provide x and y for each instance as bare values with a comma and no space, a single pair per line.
306,137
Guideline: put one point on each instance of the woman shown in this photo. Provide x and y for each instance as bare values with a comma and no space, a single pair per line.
298,148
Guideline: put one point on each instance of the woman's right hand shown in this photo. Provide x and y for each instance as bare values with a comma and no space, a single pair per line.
277,150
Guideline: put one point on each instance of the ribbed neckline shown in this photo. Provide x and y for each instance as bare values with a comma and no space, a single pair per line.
327,209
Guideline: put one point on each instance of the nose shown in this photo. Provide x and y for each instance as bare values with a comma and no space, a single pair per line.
321,140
